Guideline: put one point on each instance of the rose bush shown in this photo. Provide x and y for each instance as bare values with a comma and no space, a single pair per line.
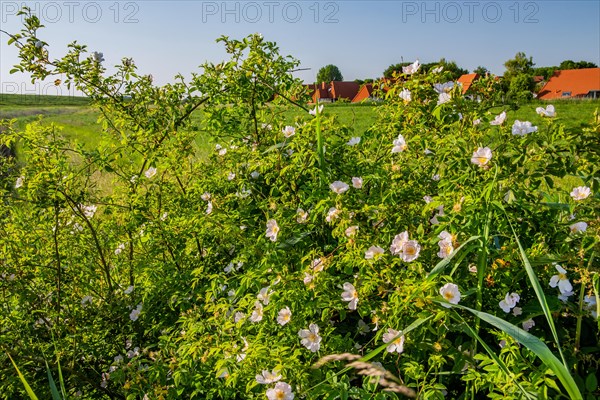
149,271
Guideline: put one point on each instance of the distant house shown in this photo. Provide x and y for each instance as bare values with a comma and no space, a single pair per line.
334,91
370,91
467,81
572,83
365,93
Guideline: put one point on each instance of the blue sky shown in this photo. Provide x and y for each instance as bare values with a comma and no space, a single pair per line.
361,37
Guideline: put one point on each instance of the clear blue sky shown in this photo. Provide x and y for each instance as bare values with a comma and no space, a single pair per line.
361,37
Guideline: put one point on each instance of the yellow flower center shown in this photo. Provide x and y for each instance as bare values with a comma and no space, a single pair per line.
398,341
482,160
561,276
410,250
279,394
312,337
448,296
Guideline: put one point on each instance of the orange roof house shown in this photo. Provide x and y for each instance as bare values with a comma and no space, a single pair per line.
365,93
344,90
467,81
374,91
572,83
330,92
321,93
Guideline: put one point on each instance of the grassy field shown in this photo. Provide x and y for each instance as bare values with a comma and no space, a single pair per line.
79,120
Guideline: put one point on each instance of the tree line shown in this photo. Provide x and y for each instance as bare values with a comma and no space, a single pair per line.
518,80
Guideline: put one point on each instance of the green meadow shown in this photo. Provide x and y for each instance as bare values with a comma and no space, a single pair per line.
79,121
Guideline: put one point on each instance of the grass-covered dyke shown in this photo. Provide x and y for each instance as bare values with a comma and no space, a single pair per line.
437,251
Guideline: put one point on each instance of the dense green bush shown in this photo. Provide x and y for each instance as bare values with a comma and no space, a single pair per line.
420,246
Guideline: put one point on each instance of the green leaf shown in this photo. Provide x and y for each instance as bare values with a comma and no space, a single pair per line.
293,240
535,345
591,382
30,393
274,147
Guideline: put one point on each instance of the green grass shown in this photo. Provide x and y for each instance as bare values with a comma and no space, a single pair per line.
79,120
573,114
28,100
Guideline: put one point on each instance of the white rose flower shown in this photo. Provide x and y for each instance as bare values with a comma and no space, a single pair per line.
450,293
405,95
546,112
257,314
267,377
581,193
509,302
523,128
353,141
578,227
399,144
281,391
289,131
351,231
272,230
350,295
150,172
395,340
412,68
284,316
373,252
339,187
481,156
310,338
561,280
499,120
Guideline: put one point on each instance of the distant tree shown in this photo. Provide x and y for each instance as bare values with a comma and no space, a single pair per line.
481,70
519,65
449,66
518,81
359,81
521,87
546,72
369,80
394,68
329,73
570,64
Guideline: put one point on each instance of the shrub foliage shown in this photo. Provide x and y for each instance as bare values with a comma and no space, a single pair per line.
149,271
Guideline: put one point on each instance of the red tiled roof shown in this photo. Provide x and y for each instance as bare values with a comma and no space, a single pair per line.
344,90
467,80
571,83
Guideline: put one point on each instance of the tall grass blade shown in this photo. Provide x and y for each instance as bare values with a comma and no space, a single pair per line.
539,293
535,345
30,393
53,388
